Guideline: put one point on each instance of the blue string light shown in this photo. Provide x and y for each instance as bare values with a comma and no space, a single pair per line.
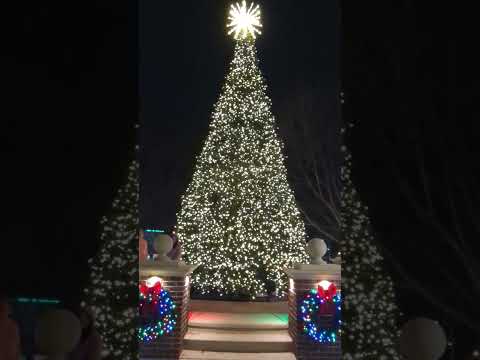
161,321
311,305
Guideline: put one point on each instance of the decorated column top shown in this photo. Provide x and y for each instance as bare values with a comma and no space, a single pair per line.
163,265
318,268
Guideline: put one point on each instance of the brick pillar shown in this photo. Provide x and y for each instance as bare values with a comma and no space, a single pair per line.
174,279
302,280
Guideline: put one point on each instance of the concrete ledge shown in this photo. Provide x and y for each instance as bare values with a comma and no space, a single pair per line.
216,340
207,355
314,272
238,306
149,268
238,321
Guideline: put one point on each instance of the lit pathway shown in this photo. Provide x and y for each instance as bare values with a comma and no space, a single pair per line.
222,330
238,321
242,333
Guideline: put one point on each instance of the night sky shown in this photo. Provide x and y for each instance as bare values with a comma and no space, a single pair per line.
411,87
68,112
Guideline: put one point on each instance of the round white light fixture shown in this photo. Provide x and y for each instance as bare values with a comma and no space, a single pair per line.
150,282
324,284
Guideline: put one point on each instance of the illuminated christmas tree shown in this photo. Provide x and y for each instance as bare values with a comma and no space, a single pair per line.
112,294
238,219
369,312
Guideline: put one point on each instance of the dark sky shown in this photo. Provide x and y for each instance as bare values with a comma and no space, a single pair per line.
185,52
411,85
69,105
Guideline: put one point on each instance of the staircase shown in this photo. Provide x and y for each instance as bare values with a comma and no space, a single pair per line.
220,330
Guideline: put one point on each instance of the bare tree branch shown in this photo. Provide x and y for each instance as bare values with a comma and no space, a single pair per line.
424,178
454,239
427,217
316,175
318,227
453,312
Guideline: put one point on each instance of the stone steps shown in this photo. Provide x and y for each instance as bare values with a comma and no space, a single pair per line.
227,330
238,341
238,307
238,321
206,355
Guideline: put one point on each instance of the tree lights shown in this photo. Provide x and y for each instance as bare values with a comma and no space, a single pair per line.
238,216
369,310
113,290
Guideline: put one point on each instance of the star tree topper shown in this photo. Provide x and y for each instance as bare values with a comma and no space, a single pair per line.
243,22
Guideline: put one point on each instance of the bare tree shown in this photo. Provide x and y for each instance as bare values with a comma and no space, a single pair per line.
440,194
311,130
452,216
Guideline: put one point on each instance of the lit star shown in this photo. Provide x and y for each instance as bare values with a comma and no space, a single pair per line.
243,22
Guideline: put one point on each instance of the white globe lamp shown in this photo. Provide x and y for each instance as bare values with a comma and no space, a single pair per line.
163,244
317,248
57,333
422,339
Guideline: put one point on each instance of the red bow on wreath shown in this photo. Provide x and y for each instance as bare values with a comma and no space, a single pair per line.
143,289
153,292
329,293
157,288
328,306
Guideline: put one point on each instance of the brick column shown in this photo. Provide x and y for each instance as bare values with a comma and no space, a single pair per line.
175,279
302,280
